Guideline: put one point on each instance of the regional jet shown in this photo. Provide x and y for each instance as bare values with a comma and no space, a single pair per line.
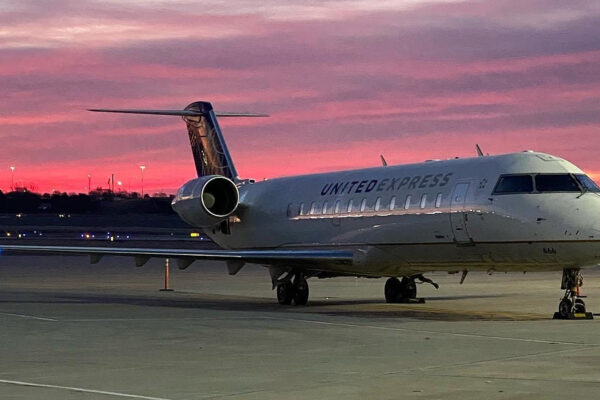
524,211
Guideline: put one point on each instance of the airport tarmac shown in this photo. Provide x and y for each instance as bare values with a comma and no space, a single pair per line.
71,330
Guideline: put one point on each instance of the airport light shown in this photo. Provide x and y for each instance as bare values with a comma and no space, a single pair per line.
12,178
142,167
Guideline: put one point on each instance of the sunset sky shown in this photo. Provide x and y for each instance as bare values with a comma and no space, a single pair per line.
343,81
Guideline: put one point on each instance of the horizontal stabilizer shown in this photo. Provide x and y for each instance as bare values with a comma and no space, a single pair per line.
209,150
182,113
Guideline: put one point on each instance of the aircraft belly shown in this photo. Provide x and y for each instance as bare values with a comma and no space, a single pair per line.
395,260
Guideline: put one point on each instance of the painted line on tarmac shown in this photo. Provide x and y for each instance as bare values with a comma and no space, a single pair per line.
468,335
518,378
77,389
493,360
28,317
152,319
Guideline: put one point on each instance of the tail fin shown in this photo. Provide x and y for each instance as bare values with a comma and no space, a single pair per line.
208,145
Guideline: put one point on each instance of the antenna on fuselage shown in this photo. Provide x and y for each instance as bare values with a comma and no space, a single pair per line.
383,162
479,152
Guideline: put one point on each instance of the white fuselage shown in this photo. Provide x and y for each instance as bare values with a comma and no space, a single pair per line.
437,215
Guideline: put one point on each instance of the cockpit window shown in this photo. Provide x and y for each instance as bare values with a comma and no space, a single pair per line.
556,183
514,184
587,183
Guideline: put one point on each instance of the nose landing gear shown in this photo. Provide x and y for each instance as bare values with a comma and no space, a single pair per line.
572,305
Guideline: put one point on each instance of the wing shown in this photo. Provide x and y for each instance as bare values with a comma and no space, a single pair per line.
313,259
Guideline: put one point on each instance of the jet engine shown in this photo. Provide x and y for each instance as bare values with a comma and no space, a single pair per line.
206,201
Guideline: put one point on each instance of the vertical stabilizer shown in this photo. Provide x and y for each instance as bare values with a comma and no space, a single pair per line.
208,146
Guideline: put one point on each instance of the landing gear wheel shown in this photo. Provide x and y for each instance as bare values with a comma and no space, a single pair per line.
404,291
392,290
579,306
564,308
300,292
572,306
408,288
285,293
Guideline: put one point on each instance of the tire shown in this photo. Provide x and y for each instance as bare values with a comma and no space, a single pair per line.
564,308
285,293
301,292
408,288
392,290
579,306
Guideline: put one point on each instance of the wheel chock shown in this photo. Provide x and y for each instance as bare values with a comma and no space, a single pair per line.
585,315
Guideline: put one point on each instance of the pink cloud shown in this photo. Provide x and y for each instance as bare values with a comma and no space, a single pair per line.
418,82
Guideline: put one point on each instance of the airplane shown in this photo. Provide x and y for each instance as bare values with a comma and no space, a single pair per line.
525,211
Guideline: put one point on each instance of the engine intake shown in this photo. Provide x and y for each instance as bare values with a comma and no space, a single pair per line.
207,200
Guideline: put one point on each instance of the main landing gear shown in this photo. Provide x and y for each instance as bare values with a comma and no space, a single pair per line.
572,306
296,291
405,290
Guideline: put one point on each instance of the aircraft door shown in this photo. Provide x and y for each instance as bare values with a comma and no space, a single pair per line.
458,215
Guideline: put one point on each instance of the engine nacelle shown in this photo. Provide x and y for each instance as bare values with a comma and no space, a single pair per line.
206,201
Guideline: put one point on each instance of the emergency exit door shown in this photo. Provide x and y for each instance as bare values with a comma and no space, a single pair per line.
458,213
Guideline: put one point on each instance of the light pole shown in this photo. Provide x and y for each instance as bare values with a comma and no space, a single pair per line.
12,178
142,167
89,183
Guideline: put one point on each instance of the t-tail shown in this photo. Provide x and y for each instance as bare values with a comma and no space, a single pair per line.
210,152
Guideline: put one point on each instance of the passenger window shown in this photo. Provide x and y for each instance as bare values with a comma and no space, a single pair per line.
393,203
378,204
363,205
336,209
407,202
587,183
325,208
313,208
438,200
556,183
301,209
423,201
350,205
514,184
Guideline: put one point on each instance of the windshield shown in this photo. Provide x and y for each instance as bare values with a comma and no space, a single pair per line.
587,183
556,183
514,184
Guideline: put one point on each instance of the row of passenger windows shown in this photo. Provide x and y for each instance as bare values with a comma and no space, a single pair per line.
357,205
526,183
